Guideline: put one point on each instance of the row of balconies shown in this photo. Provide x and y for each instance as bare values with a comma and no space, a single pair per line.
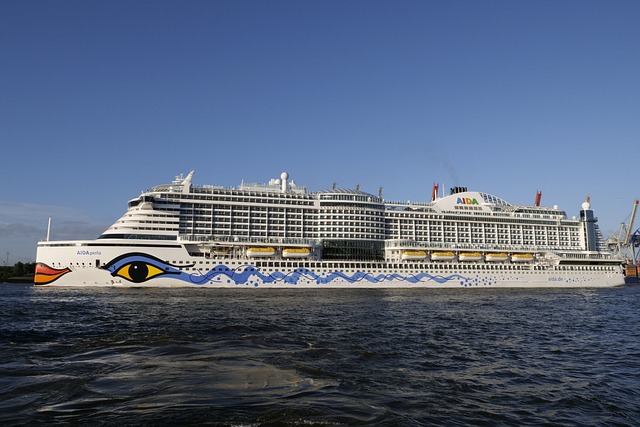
375,226
373,218
372,228
372,234
421,230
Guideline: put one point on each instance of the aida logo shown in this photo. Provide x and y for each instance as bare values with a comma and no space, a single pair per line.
467,201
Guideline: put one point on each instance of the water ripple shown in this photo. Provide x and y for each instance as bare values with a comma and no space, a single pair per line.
319,357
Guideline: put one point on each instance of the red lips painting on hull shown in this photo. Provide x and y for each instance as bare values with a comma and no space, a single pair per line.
45,274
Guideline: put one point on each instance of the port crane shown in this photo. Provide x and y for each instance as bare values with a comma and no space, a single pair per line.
627,242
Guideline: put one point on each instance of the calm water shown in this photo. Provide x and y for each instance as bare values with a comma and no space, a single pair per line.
251,357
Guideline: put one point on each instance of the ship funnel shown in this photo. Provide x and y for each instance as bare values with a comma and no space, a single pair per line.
538,197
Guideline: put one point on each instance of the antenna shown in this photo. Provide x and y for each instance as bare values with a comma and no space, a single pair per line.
49,229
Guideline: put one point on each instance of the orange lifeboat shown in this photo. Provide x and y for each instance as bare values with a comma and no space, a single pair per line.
442,256
261,252
296,252
522,257
411,255
470,256
496,257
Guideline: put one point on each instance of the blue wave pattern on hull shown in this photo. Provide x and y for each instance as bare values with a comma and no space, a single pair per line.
302,274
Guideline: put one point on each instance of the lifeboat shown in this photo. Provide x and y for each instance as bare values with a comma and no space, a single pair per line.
442,256
496,257
296,252
261,252
521,257
409,255
221,251
470,256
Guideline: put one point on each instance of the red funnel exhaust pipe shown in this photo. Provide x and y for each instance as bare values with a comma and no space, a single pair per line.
538,197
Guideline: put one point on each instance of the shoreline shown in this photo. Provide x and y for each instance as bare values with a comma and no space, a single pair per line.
19,279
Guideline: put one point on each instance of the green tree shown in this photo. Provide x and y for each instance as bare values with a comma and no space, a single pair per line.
18,269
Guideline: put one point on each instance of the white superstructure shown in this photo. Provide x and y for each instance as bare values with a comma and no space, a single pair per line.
278,234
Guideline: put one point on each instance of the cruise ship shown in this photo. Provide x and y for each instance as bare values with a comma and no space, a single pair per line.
278,234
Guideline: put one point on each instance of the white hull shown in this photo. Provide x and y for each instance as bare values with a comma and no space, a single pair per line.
181,270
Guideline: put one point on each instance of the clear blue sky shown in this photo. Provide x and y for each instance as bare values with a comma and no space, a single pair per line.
103,99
